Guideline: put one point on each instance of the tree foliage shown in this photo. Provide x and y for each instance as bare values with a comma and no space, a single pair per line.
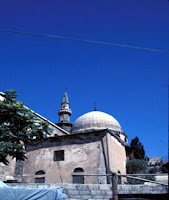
137,166
137,148
138,163
18,126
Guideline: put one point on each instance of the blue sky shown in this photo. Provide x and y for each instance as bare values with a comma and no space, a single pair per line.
126,83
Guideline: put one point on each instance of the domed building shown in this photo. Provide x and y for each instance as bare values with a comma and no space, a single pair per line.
95,121
94,144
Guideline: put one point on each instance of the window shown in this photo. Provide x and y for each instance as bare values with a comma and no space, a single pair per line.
59,155
40,180
39,172
78,179
78,170
40,176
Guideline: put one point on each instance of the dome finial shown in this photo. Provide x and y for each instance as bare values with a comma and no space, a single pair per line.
95,107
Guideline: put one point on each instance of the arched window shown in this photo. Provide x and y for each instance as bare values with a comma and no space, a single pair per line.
79,179
40,172
78,170
40,176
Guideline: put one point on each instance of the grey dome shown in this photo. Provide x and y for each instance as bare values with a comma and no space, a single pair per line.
95,120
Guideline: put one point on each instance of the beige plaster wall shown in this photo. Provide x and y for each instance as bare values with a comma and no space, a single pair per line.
80,152
117,155
88,156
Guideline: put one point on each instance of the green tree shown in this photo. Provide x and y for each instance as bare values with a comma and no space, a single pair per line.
137,166
137,148
138,163
18,126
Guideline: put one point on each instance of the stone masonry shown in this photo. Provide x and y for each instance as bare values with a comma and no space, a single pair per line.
96,191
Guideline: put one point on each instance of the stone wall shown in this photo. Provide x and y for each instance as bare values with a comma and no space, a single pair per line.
101,191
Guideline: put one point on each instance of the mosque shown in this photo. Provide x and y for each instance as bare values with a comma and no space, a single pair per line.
94,144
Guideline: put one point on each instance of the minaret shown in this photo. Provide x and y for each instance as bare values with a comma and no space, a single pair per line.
64,113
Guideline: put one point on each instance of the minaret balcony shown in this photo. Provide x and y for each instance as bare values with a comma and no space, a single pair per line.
64,111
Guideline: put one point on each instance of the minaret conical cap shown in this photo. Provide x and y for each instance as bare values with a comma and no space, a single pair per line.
65,98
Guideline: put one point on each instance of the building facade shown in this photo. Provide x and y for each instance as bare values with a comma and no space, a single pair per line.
94,144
